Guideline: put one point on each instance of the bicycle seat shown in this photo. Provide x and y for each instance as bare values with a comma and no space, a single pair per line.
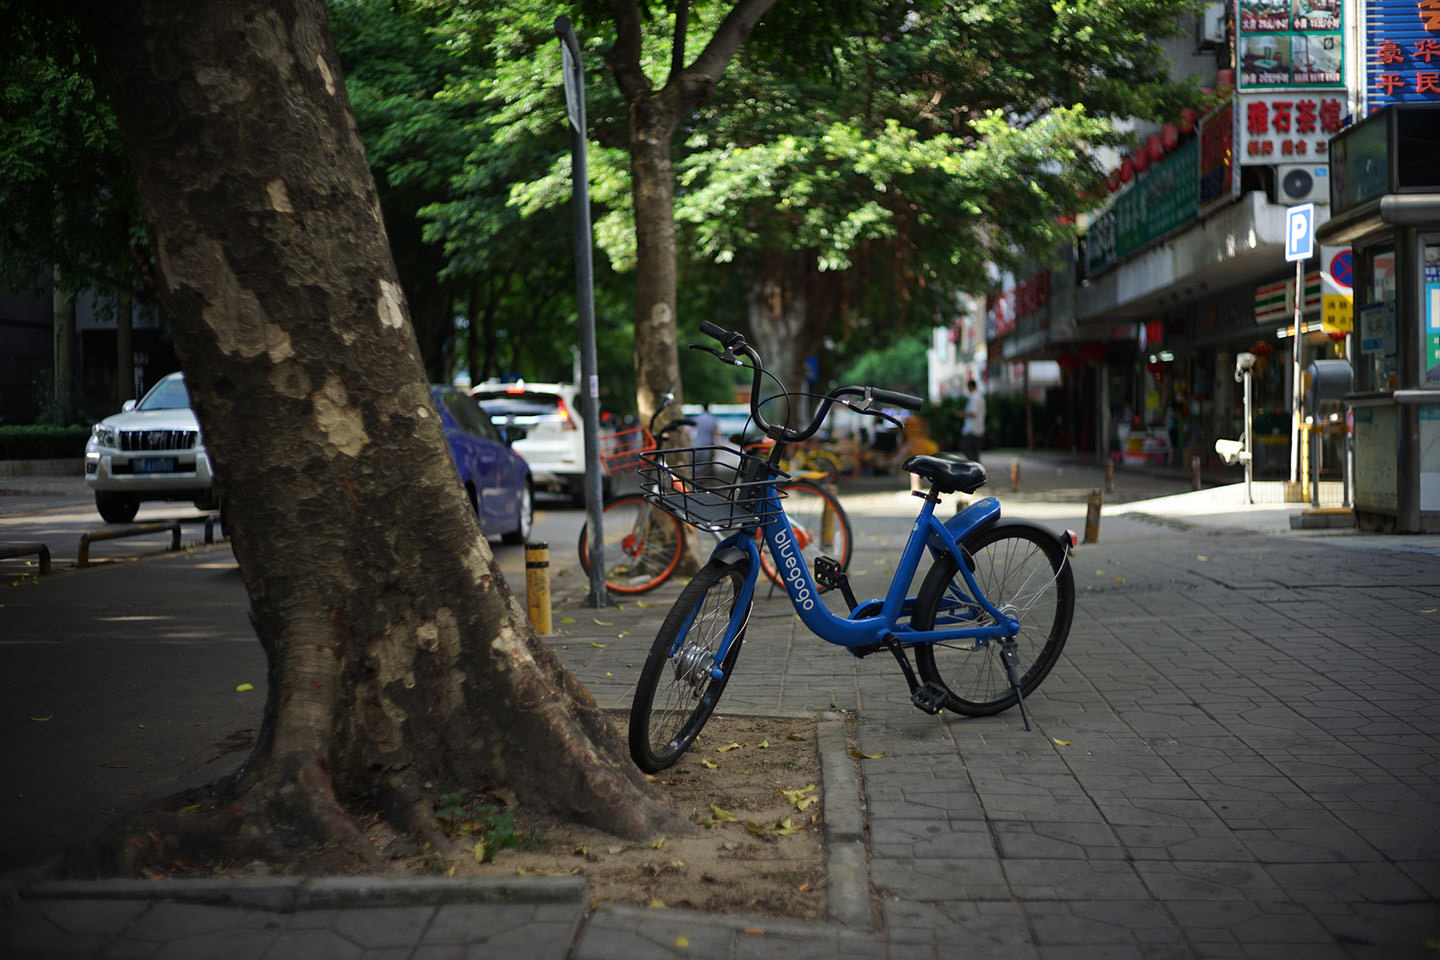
948,471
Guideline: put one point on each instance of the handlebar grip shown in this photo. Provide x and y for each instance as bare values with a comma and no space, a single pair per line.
713,330
896,399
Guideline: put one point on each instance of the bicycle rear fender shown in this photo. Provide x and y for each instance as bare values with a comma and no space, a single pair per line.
976,517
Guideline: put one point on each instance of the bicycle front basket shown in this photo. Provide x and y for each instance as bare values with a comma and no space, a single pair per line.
712,488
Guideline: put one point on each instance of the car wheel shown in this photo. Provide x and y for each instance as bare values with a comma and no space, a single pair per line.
116,507
527,519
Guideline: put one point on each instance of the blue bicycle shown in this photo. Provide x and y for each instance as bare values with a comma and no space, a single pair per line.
991,614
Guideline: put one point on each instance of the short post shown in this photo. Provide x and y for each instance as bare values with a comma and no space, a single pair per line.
537,585
1109,476
1014,476
1092,518
827,522
1195,472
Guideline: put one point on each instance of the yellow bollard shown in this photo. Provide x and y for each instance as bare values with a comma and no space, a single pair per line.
537,585
1014,476
1092,518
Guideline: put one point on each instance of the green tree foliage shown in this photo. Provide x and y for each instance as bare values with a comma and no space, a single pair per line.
65,187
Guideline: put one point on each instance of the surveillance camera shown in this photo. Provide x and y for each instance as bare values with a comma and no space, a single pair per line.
1244,362
1231,451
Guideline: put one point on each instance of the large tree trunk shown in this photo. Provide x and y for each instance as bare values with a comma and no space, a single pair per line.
400,665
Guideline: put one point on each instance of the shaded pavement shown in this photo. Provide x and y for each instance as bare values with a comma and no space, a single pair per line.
1236,757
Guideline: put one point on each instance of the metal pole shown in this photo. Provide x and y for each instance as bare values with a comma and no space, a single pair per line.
585,306
1249,449
1295,372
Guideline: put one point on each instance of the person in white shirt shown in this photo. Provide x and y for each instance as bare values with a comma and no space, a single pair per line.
973,435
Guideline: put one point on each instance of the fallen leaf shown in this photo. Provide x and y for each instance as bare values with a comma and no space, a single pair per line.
724,816
609,674
756,828
594,644
859,755
795,736
480,851
1059,743
602,623
1119,579
245,688
642,604
764,744
1201,556
732,745
800,798
785,828
566,620
1429,609
658,844
657,903
48,716
581,850
709,765
682,941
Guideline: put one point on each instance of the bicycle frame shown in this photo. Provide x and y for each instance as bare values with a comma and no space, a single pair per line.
927,533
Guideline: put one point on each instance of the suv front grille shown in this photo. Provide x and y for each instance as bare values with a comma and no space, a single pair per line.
144,440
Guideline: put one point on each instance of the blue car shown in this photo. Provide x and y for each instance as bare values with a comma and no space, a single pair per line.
496,478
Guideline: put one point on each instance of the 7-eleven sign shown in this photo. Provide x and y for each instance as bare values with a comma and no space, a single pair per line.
1275,302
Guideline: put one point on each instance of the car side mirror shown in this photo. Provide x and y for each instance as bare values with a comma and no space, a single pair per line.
514,434
127,406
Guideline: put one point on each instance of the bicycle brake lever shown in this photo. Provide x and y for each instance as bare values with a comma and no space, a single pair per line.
721,355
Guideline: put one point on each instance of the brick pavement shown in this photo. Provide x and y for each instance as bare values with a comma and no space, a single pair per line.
1236,757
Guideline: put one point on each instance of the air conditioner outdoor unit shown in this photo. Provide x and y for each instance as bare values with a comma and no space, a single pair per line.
1210,30
1302,183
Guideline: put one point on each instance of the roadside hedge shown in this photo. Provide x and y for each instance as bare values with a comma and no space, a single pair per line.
37,442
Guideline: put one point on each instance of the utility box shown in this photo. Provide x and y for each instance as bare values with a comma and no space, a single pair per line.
1327,381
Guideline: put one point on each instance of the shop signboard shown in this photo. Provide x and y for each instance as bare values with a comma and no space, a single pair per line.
1430,311
1290,43
1289,127
1402,52
1166,198
1275,302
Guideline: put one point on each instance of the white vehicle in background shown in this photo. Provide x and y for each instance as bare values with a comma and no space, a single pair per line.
152,450
554,443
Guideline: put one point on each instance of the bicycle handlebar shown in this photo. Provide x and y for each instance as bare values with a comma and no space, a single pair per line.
735,346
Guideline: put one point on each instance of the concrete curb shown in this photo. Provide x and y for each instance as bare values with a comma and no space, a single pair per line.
287,895
846,862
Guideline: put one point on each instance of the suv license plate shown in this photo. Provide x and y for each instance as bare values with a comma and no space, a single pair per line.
153,465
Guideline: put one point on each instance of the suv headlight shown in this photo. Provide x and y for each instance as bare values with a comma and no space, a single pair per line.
103,435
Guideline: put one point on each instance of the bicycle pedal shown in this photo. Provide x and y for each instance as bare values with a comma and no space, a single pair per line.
828,572
930,697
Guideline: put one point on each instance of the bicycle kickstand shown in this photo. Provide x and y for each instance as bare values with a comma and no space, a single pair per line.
928,696
1011,658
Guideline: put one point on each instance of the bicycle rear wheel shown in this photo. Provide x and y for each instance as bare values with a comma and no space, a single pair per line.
1024,572
821,527
643,545
677,693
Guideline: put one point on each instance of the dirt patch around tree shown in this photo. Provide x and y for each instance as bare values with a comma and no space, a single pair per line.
751,785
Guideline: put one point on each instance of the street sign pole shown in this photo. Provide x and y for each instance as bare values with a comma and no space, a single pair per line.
585,306
1299,247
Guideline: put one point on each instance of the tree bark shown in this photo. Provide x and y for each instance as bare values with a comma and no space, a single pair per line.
400,664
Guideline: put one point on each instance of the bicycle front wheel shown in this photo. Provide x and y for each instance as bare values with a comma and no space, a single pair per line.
1024,572
677,692
821,527
642,545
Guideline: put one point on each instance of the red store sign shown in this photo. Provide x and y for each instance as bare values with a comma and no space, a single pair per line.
1289,127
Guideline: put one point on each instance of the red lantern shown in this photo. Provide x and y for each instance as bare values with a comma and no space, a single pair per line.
1153,147
1141,159
1187,119
1225,80
1127,170
1112,180
1169,136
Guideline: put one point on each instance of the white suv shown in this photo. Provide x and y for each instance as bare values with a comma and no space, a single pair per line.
150,451
554,443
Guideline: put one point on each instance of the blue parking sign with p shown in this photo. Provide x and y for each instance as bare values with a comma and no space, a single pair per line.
1300,232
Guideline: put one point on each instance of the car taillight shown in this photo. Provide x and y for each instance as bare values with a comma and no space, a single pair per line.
567,422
